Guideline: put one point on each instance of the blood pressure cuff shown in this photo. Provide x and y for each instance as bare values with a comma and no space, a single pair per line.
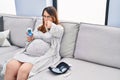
61,68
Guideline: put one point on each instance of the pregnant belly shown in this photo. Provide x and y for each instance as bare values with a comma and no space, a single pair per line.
37,48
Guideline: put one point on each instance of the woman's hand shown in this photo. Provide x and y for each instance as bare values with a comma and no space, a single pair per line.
48,24
30,38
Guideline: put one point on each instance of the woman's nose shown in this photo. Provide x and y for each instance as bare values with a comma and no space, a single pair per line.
46,19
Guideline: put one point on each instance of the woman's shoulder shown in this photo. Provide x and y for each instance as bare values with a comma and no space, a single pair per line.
58,25
61,26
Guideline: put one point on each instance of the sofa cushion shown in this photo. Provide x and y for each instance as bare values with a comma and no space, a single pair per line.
1,23
6,56
38,23
17,26
69,38
81,70
4,36
99,44
4,50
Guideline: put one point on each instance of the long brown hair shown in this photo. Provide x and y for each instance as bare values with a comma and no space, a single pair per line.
53,13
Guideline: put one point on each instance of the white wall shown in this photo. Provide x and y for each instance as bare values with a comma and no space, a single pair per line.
91,11
29,7
114,13
24,7
49,2
7,6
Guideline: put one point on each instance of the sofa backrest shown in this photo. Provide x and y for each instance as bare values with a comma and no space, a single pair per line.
99,44
37,23
17,26
69,38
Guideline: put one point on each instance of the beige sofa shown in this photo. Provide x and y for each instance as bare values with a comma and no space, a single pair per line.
92,50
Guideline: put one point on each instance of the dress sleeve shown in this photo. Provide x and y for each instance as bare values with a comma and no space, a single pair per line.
56,31
37,34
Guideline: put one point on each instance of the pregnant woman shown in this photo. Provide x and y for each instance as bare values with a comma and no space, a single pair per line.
42,51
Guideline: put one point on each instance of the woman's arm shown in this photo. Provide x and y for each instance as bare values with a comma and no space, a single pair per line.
56,30
37,34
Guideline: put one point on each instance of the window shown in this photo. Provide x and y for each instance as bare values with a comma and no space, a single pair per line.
7,7
90,11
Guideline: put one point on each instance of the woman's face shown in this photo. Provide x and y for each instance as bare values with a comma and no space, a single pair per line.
47,17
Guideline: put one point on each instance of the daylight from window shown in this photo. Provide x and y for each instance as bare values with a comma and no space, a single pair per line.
7,7
91,11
